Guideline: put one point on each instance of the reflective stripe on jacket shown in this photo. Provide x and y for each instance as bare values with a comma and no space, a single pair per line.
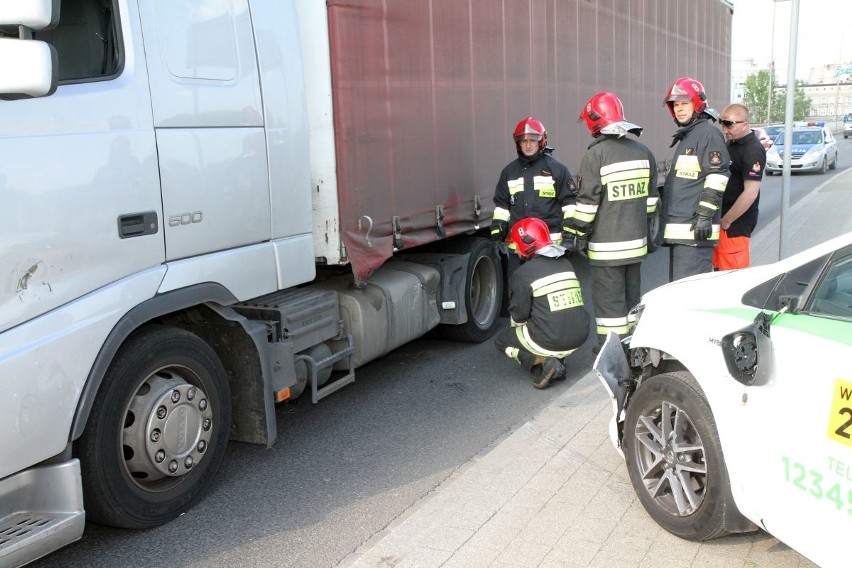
540,187
545,295
617,190
695,183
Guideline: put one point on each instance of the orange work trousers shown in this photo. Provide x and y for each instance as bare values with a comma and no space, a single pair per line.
731,252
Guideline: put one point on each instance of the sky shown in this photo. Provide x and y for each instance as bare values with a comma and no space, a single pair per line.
824,34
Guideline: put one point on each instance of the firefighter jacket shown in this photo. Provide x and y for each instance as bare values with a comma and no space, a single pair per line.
617,190
533,187
695,182
545,295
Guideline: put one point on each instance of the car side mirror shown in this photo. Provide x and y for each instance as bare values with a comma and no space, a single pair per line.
748,352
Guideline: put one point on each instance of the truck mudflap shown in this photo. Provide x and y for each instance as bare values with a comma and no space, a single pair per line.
613,371
45,512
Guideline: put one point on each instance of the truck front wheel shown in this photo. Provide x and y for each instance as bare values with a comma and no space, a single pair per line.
157,432
483,290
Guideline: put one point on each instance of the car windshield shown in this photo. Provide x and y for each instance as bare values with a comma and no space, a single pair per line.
803,137
806,137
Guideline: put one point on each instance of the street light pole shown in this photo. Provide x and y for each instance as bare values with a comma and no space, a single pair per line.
837,92
771,66
788,128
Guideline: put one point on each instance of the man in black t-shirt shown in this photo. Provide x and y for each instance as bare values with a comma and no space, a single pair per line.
742,194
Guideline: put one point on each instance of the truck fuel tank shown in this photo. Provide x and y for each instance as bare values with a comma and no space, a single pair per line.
397,304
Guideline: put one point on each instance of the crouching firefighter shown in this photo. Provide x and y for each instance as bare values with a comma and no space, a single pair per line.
548,319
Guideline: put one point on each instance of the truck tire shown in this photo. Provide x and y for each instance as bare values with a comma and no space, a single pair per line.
483,291
158,430
655,233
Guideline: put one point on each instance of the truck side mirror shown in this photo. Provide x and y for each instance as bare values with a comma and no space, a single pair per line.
33,14
28,68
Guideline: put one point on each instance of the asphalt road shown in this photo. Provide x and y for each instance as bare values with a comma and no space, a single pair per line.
342,470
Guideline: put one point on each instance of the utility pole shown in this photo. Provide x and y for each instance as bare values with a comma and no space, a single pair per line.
837,73
788,130
771,85
771,66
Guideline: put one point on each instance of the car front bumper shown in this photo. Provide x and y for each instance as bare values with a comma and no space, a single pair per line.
797,165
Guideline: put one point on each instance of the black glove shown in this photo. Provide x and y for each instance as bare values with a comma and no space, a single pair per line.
575,244
702,227
499,231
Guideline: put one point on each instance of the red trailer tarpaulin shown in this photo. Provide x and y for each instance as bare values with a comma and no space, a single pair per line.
426,94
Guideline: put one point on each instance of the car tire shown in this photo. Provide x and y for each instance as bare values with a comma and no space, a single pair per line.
670,437
164,403
833,164
823,166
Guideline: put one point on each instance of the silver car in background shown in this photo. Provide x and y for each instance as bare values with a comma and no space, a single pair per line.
814,149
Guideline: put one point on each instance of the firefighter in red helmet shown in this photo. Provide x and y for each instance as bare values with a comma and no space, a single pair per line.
548,320
617,190
694,186
535,184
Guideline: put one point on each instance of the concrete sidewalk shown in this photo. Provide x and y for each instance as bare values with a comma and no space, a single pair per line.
555,493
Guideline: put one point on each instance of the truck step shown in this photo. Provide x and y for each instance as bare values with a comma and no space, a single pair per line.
46,505
315,366
303,317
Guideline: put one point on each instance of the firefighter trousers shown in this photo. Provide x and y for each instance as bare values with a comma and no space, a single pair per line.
510,342
687,260
615,290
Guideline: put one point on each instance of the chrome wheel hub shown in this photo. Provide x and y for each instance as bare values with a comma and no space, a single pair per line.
168,426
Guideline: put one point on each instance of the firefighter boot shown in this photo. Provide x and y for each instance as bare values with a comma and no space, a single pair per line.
550,370
535,365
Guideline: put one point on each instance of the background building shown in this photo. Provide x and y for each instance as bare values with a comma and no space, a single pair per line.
830,89
828,86
740,70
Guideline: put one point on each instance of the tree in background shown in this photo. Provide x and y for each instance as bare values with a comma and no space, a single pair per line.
756,98
801,103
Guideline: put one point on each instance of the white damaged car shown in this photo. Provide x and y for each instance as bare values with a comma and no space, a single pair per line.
733,404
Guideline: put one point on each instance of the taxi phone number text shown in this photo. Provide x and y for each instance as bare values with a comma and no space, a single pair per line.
813,482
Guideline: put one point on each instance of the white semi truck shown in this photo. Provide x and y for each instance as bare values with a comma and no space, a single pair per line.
211,207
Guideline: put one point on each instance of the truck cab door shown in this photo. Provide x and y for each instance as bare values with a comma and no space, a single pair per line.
209,125
80,191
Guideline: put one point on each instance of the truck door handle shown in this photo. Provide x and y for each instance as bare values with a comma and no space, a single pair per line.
137,224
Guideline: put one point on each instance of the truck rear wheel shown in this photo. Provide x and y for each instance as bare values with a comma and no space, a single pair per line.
158,430
483,292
